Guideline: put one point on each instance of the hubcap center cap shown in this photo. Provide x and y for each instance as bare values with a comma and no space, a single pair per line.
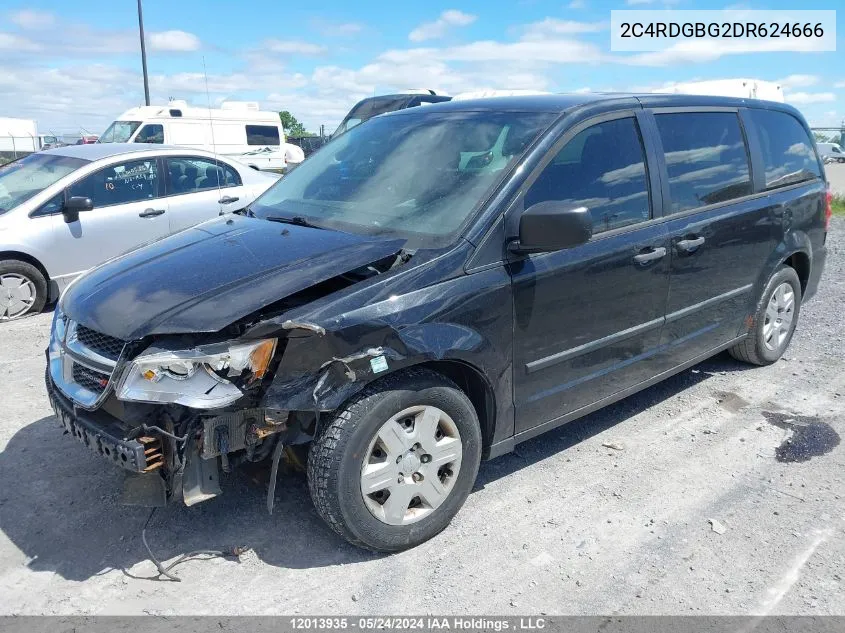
410,464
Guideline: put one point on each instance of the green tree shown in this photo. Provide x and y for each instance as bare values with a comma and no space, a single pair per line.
292,126
821,137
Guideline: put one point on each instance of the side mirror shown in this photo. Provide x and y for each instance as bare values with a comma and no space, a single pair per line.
74,205
552,226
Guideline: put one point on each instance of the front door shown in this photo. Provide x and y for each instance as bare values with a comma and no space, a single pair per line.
588,318
128,212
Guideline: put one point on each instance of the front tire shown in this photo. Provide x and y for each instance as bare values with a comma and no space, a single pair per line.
23,289
774,320
395,465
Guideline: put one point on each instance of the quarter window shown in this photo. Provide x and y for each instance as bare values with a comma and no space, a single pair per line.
706,158
53,205
153,133
601,168
189,175
119,184
262,135
788,154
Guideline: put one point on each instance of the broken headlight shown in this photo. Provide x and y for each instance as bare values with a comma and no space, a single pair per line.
206,377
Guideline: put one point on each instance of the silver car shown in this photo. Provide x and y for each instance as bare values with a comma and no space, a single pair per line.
65,210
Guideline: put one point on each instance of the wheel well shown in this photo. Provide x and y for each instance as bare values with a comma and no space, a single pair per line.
800,262
25,258
478,390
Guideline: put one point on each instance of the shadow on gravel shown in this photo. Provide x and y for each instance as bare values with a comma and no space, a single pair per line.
59,501
59,506
570,434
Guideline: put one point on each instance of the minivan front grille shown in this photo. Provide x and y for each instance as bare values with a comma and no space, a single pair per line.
103,344
90,379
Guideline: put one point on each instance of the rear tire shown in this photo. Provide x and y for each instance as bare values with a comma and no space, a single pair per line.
775,319
414,440
23,289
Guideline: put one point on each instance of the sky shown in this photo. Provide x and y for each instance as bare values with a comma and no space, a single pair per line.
76,66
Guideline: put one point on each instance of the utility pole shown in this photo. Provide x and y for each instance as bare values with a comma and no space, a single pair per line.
143,54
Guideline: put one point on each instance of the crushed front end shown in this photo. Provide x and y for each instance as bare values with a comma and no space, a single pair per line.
164,414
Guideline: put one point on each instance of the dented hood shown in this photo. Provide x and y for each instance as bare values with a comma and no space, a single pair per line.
204,278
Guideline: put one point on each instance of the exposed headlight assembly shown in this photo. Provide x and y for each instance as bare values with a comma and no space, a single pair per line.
206,377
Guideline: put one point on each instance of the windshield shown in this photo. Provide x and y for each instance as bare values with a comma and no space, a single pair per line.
367,109
119,132
24,178
418,176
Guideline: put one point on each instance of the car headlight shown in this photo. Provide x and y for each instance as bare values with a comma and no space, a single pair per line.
206,377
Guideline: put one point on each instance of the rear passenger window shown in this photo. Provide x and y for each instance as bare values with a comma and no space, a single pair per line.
190,175
705,157
601,168
262,135
788,154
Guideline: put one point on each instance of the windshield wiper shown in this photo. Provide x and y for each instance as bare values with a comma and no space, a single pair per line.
297,219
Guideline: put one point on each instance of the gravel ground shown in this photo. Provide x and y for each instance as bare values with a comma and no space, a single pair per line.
836,177
565,525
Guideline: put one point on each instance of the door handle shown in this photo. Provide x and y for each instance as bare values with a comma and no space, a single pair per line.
689,246
150,213
228,200
650,255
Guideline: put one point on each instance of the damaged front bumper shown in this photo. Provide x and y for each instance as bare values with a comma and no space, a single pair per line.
105,435
162,466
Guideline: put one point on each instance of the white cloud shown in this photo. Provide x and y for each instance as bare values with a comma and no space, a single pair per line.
438,28
15,43
839,84
552,28
174,41
337,29
49,75
798,81
31,19
705,50
802,98
560,51
634,3
294,47
577,4
81,41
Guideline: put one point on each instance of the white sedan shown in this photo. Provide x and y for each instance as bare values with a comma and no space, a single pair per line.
65,210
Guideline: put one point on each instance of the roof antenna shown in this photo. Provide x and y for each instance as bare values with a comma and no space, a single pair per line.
213,144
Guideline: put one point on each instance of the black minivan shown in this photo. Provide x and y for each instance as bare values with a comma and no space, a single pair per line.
437,285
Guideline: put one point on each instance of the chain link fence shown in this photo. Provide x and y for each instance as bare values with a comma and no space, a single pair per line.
15,147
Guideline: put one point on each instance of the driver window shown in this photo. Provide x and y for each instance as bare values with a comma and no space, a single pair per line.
152,133
123,183
601,168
